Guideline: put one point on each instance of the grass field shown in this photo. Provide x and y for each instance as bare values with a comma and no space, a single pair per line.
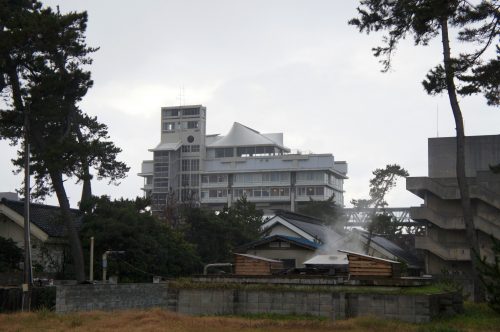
475,318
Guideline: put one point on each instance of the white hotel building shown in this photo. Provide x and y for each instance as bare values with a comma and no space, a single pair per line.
216,170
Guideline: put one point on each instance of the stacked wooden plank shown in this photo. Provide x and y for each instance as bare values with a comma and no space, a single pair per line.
254,265
361,265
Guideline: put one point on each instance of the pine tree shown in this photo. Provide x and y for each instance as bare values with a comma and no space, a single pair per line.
465,74
42,55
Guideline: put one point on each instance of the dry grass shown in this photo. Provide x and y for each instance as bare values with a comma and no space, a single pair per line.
161,320
475,319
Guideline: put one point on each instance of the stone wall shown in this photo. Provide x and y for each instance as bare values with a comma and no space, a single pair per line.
110,297
330,304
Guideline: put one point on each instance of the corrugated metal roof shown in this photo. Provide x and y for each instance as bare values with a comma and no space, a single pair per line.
340,259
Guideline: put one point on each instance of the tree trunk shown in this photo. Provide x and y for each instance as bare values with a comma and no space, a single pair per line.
463,186
86,177
72,232
87,187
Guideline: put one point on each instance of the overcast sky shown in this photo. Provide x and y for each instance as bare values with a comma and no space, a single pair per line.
276,66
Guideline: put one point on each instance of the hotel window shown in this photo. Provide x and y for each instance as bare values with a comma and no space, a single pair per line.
185,180
195,148
170,113
168,126
185,165
223,152
194,180
192,124
195,164
191,111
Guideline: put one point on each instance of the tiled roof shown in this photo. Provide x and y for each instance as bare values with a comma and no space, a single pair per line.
311,226
301,242
394,249
46,217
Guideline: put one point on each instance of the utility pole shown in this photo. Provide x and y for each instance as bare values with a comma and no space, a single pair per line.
28,272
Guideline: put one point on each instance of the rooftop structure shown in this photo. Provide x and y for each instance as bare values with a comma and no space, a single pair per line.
216,170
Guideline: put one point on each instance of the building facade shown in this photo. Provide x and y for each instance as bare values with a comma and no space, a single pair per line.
444,244
216,170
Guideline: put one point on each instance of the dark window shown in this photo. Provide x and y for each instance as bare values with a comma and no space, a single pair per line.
195,164
287,263
191,111
195,148
223,152
192,125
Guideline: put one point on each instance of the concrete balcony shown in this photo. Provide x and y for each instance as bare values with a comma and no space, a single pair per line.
448,189
285,183
146,168
270,163
446,253
215,185
307,198
485,223
147,187
266,199
214,200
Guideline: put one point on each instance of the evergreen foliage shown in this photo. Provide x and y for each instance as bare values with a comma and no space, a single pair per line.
384,179
327,211
151,247
490,276
216,234
10,255
43,56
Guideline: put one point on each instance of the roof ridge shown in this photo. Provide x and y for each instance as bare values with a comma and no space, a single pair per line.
21,202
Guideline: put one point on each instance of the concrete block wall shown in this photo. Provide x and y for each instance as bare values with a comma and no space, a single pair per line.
110,297
208,301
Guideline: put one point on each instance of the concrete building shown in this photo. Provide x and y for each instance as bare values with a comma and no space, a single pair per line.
445,245
216,170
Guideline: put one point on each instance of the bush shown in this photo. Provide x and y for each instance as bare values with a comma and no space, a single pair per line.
10,255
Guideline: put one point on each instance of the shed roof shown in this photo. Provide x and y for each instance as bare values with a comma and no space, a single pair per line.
259,258
368,257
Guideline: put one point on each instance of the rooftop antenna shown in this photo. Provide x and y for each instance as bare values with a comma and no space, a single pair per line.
181,96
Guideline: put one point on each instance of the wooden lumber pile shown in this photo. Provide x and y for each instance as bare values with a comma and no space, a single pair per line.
255,265
361,265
